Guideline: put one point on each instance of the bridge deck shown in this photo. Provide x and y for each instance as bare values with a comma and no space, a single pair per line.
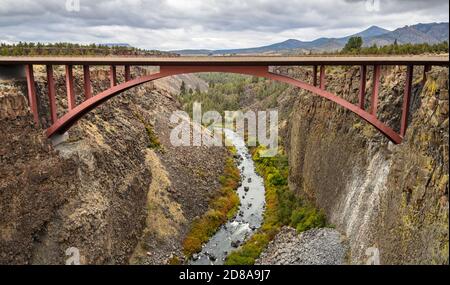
233,60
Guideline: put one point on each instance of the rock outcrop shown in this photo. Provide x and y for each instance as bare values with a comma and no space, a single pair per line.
116,189
35,182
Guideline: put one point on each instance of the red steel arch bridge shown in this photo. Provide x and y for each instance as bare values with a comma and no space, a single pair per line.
248,65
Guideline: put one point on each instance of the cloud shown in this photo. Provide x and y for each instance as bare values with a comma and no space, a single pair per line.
175,24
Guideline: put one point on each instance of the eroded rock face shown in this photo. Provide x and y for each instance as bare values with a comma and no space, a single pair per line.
106,187
392,198
35,183
415,209
92,195
12,105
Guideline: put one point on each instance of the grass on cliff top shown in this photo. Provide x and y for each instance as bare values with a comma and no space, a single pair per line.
222,208
283,208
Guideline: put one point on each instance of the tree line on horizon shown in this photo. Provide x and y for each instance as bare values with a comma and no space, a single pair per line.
354,46
73,49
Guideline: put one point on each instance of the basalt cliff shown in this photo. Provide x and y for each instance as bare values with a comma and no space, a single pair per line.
389,200
115,189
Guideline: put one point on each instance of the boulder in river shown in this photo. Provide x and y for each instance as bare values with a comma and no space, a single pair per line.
246,189
212,257
235,243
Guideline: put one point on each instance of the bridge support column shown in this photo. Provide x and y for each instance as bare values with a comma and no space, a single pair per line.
406,100
70,87
127,73
113,75
87,82
51,93
315,75
426,69
375,89
32,98
322,77
362,86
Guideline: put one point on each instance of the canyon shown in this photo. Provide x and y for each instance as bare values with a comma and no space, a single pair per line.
117,190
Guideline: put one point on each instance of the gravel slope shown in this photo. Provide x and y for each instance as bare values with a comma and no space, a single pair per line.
324,246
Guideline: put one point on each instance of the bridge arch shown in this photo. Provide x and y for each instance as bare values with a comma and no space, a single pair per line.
72,116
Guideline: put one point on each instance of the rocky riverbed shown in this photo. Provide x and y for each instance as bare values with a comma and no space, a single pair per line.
251,194
323,246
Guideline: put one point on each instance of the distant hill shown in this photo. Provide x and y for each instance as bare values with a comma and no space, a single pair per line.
116,45
373,31
421,33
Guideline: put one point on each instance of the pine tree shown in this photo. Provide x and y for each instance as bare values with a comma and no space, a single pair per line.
354,44
183,88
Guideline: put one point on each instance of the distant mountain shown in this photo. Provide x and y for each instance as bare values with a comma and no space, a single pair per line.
286,45
373,31
438,31
421,33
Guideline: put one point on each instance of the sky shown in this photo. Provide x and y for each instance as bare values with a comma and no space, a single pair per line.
209,24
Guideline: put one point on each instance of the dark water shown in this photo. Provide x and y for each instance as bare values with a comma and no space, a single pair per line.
249,217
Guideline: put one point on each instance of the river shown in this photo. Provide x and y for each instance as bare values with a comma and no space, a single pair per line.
250,216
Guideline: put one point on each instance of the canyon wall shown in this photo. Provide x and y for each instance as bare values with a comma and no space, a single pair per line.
387,198
115,189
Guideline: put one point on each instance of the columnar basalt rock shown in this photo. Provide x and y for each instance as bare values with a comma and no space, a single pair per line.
397,196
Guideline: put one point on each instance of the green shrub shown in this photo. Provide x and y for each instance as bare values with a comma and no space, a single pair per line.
222,208
152,137
250,251
306,218
276,179
174,261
